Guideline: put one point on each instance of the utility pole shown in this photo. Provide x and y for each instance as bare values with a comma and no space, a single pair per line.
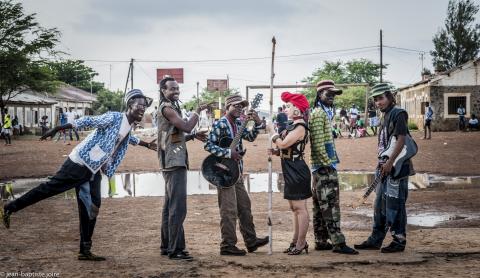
131,74
198,99
381,56
110,80
421,58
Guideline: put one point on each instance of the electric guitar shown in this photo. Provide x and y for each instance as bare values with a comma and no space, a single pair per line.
225,172
408,151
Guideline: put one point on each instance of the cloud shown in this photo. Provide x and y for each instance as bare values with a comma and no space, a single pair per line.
140,16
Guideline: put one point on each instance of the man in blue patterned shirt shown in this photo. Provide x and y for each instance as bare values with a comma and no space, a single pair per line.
234,201
102,150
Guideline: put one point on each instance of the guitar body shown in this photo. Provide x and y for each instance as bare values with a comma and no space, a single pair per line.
408,151
225,172
221,172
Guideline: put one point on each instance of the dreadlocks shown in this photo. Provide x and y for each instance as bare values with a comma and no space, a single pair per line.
163,86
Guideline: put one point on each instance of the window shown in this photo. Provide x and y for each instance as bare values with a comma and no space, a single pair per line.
35,117
28,115
454,103
423,107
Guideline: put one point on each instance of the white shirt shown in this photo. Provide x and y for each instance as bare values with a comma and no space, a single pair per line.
70,117
125,128
353,113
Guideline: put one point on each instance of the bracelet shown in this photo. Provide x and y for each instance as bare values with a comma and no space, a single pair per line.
275,137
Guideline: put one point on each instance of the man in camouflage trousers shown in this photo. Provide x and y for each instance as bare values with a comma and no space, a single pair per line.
326,201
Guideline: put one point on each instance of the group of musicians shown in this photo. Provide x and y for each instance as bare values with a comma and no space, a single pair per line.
105,148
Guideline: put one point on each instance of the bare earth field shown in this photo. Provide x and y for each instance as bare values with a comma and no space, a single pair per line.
44,237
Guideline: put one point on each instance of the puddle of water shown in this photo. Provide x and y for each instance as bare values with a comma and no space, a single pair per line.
147,184
426,219
152,184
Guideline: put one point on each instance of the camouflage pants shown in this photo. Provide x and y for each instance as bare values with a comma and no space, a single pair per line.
326,207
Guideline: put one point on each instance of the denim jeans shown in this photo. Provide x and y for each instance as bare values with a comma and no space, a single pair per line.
390,212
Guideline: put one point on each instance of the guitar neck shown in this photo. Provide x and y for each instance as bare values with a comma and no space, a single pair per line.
238,136
372,186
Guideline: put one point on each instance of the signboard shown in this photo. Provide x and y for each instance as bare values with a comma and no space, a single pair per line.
176,73
217,85
217,114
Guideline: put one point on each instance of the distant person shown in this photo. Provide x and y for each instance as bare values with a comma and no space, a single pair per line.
154,117
71,116
264,123
62,119
282,120
373,121
353,114
7,128
44,124
427,121
461,117
337,133
360,127
17,128
473,122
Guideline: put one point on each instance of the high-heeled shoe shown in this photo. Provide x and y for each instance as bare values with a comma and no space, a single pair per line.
290,248
296,251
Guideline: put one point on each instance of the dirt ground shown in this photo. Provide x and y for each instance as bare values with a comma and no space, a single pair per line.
44,237
458,153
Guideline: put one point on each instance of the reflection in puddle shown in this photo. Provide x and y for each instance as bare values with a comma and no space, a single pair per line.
152,184
426,219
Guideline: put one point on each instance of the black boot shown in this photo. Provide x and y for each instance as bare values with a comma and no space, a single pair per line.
394,247
344,249
86,255
232,251
323,246
258,243
180,256
366,245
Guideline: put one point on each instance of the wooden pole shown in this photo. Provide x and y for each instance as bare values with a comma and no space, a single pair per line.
270,191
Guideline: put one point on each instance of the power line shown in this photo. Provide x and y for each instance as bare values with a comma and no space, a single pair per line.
405,49
222,60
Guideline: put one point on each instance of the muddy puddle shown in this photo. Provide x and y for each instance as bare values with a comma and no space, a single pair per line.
152,184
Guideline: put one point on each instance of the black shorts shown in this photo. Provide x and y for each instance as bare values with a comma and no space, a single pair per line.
427,122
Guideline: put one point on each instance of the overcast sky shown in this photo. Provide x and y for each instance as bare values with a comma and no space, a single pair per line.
113,31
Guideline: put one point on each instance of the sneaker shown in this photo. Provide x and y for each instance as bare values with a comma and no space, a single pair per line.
180,256
366,245
5,215
344,249
323,246
89,256
258,243
165,252
232,251
394,247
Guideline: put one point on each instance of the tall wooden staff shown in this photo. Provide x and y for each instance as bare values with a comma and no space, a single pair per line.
270,192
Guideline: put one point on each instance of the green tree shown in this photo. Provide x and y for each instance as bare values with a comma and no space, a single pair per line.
22,41
354,71
207,96
107,100
362,71
459,41
76,73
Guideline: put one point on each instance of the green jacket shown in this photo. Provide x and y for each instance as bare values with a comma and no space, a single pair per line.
323,153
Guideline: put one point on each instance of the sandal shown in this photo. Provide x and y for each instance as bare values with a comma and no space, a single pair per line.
290,248
296,251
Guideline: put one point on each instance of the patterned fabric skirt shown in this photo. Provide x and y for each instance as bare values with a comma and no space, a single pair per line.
297,180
